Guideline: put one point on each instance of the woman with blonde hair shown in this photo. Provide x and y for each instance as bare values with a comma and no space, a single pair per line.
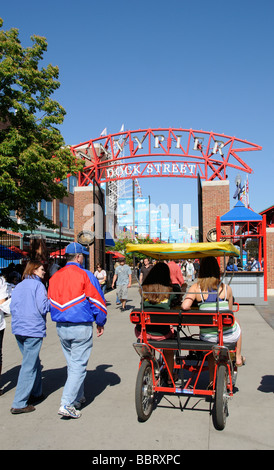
207,291
29,307
157,293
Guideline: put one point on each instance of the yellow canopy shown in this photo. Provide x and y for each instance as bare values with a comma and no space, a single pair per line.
183,250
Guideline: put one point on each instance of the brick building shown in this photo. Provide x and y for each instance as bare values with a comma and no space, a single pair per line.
215,201
61,212
269,213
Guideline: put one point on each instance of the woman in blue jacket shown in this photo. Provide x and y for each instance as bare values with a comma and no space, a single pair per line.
29,307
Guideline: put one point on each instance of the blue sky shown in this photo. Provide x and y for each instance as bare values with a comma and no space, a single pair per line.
203,65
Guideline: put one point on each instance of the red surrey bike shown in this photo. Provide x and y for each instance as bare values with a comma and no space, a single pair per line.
191,353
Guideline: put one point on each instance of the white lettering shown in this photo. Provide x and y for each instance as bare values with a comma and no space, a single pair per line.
157,459
102,460
158,139
110,172
191,168
122,171
120,145
218,145
178,141
139,142
100,150
128,170
136,169
183,168
198,143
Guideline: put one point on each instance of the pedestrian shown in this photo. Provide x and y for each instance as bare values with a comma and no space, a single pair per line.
146,267
118,302
4,309
231,265
196,265
53,267
176,276
101,275
255,265
29,307
122,277
190,270
177,279
207,291
76,301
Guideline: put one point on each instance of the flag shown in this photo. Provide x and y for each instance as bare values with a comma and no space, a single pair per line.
238,192
243,195
247,192
104,132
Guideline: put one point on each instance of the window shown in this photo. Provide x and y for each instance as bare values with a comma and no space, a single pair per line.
46,207
72,183
71,217
65,183
63,214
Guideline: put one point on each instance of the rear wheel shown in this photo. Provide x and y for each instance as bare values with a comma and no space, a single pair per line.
144,395
221,397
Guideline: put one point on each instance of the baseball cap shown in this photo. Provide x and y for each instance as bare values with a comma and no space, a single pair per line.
76,248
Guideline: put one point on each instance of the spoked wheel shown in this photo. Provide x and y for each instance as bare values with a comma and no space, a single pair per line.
144,395
221,397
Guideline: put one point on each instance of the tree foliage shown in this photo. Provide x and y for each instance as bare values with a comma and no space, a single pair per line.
120,246
33,155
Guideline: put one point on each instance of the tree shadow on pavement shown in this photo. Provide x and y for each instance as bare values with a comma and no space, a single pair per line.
267,384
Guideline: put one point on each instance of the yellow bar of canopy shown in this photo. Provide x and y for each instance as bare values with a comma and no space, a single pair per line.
183,250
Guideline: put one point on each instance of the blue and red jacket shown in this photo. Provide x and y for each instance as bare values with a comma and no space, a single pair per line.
75,296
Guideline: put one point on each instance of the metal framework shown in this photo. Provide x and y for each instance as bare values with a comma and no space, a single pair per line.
239,231
163,152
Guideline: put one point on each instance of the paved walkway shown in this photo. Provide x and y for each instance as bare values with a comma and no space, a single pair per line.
109,419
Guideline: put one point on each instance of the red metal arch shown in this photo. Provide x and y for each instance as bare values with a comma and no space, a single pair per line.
164,152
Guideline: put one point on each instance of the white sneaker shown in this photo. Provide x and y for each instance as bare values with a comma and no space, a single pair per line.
69,411
77,404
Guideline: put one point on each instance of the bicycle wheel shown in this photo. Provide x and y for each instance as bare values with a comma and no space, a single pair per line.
221,397
144,395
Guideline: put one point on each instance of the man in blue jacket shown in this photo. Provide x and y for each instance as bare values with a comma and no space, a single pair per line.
76,301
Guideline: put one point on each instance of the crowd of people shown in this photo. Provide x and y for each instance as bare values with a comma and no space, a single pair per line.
189,269
75,298
251,265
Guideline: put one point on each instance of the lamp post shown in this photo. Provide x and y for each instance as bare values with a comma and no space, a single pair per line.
60,241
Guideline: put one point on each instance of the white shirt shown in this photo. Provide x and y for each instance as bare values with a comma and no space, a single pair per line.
5,307
100,275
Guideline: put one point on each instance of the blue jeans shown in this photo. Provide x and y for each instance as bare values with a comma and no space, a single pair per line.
103,287
30,377
76,341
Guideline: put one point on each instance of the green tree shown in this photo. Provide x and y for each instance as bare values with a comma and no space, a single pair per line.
120,246
33,155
